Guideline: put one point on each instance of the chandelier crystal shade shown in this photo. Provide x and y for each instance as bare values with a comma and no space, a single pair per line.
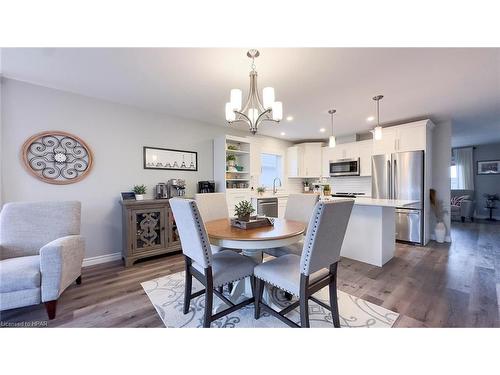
254,112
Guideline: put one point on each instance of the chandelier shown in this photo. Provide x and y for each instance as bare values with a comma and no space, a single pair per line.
254,112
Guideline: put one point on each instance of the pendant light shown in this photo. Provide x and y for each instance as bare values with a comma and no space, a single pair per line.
331,139
377,131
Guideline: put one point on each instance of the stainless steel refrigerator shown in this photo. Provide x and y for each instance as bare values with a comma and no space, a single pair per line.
401,176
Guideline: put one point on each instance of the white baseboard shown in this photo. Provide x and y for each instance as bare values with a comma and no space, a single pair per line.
101,259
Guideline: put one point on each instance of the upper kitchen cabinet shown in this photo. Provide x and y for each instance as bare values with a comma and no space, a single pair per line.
304,160
402,138
352,150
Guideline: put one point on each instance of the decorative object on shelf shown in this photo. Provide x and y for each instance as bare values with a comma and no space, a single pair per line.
261,190
233,147
377,131
231,162
128,195
170,159
326,190
488,167
254,111
139,191
306,186
491,200
439,212
331,139
239,168
243,210
57,157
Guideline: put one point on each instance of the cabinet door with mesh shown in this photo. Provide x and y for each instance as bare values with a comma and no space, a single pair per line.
149,229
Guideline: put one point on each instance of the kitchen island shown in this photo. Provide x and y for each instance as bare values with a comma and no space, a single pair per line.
371,232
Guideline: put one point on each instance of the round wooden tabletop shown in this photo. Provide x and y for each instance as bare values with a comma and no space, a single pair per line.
222,230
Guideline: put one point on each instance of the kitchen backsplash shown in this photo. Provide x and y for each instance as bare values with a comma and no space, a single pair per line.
351,185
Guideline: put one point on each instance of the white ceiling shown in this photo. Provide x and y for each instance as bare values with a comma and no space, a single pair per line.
462,85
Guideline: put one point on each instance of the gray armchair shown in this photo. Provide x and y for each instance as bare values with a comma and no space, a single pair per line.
41,252
462,204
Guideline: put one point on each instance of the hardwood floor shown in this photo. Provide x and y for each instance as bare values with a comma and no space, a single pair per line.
441,285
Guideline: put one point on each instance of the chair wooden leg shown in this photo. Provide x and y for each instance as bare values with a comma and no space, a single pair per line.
50,306
332,288
230,287
188,283
259,291
79,280
304,301
209,298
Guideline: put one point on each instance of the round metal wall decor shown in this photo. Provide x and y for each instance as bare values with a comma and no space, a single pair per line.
57,157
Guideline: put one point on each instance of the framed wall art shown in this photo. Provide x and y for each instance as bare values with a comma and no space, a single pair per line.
488,167
170,159
57,157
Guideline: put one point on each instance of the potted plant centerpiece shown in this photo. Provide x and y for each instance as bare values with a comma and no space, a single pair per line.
139,191
243,210
439,212
261,190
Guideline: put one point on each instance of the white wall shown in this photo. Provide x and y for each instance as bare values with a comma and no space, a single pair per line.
116,135
441,161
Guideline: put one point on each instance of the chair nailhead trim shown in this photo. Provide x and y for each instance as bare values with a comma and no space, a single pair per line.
312,237
277,286
196,213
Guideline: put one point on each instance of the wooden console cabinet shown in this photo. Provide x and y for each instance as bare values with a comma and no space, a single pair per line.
148,229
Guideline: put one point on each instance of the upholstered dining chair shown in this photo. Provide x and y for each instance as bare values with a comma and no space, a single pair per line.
41,252
316,268
212,270
299,207
212,206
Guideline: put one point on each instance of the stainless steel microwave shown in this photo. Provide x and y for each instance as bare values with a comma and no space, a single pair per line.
344,167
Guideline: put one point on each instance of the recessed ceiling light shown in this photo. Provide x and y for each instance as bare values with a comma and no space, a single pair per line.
289,118
370,118
322,130
282,133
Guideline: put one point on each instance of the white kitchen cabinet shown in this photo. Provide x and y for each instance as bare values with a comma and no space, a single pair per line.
402,138
365,152
304,160
386,145
411,137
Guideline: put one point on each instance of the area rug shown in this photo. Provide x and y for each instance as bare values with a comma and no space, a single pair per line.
167,295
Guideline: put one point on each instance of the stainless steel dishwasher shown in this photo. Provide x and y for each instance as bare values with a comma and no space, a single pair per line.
267,207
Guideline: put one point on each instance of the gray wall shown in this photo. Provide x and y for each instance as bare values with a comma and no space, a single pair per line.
116,135
484,183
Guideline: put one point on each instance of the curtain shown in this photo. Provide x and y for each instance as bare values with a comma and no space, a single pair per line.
464,162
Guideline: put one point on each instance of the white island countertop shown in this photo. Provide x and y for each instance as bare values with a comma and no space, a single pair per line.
359,201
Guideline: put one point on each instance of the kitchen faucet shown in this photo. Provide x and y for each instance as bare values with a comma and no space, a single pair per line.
274,184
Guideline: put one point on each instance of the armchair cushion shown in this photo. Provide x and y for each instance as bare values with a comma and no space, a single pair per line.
60,265
19,273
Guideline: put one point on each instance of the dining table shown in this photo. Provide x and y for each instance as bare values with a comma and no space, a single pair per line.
252,242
